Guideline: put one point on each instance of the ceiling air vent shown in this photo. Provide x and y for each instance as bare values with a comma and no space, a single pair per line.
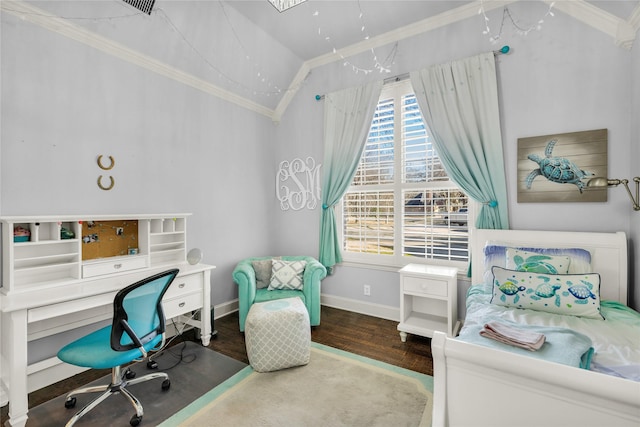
143,5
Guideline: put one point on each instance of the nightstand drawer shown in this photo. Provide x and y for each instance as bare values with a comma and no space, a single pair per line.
425,286
184,285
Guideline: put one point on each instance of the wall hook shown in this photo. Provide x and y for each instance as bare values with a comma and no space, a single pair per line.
103,167
102,186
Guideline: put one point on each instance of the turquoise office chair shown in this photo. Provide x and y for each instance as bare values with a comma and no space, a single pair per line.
138,327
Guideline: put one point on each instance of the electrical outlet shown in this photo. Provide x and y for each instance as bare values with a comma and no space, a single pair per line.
367,290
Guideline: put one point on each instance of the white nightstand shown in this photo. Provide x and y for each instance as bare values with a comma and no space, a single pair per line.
428,300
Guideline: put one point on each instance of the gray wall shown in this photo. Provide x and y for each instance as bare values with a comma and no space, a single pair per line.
634,164
176,149
567,77
179,149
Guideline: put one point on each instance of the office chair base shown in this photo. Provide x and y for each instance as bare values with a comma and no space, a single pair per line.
119,382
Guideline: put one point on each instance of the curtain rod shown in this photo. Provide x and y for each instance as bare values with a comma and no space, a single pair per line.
395,79
502,51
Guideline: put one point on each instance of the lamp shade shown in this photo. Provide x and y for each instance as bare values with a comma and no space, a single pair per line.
599,182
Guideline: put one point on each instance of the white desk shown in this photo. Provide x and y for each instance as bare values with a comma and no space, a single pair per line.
31,315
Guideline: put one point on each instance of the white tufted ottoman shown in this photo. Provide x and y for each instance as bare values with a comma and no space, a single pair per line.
278,335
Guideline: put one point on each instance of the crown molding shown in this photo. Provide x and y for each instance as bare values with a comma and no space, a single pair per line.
634,19
449,17
286,99
34,15
621,31
434,22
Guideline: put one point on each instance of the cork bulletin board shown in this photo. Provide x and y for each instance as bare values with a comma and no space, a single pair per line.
103,239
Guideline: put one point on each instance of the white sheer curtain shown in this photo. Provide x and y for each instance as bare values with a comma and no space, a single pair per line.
459,102
347,118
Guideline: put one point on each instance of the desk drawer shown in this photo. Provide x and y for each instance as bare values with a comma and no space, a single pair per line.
182,304
425,286
119,265
184,285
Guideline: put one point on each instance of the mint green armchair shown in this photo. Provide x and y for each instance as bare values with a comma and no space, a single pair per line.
245,277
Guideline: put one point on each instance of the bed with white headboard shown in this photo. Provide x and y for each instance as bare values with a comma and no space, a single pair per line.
475,385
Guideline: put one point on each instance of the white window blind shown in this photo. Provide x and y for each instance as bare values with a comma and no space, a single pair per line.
376,165
413,215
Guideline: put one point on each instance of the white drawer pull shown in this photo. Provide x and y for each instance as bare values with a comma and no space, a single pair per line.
181,285
181,304
117,266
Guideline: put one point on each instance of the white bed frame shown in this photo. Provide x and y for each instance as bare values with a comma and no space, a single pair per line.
481,386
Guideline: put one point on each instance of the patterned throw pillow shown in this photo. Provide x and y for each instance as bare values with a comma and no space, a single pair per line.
287,274
571,294
535,262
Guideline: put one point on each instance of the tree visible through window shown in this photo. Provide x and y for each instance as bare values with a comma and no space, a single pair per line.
401,203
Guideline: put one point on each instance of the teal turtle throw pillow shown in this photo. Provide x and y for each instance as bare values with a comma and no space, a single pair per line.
521,260
570,294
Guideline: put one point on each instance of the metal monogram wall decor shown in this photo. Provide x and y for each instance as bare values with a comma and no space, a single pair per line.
556,168
298,184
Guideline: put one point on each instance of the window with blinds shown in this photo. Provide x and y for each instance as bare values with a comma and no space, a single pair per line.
401,206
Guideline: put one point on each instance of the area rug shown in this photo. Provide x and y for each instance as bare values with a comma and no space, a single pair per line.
336,388
192,368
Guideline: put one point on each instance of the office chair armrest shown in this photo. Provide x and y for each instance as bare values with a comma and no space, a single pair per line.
133,336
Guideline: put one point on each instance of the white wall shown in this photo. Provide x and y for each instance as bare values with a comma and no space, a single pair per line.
176,149
567,77
634,163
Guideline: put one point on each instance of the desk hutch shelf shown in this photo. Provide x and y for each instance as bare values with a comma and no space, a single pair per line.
60,273
47,256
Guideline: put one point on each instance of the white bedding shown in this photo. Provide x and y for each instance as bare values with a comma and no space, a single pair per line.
616,340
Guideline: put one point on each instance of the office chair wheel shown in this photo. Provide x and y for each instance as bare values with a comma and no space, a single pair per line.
166,384
70,403
129,374
135,420
152,364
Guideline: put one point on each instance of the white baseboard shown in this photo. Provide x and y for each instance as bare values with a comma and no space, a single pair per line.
4,395
375,310
223,309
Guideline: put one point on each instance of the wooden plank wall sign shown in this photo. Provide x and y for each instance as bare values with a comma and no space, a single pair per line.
556,168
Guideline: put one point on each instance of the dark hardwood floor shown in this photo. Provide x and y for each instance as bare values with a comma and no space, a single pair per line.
356,333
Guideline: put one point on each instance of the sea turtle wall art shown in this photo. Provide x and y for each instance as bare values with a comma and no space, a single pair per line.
556,168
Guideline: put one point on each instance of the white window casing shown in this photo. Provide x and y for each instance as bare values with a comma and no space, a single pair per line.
401,207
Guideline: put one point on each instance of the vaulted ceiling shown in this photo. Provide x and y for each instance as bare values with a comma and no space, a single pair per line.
248,53
297,28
